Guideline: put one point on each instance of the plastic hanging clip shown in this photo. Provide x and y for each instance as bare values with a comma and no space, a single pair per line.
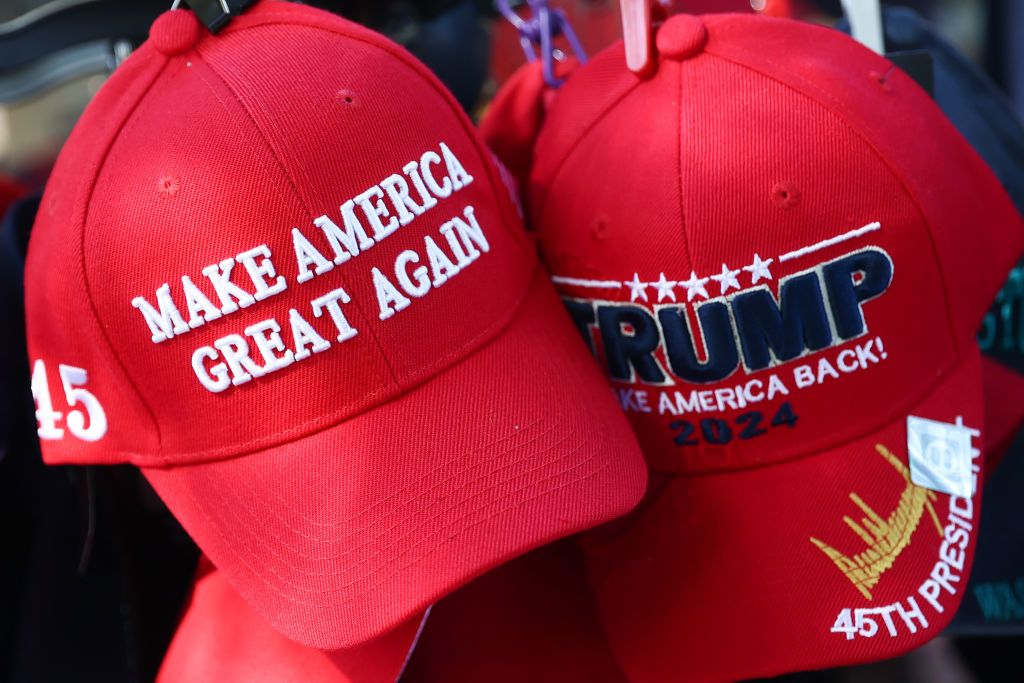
865,18
638,35
215,14
541,29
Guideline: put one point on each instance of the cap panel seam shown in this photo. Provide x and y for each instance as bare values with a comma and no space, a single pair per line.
683,111
295,191
821,98
87,199
587,130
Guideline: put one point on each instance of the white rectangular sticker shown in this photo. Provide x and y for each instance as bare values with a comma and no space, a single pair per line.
940,455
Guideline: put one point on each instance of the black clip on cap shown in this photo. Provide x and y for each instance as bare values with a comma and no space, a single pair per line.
215,14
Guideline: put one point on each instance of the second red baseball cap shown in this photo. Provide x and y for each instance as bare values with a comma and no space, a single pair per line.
532,619
277,269
781,251
220,638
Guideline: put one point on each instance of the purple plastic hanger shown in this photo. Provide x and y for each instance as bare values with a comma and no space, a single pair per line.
543,26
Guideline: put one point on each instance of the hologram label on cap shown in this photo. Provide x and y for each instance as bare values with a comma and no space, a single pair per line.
940,455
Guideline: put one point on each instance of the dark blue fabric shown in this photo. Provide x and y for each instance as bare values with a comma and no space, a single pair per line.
720,346
782,330
633,351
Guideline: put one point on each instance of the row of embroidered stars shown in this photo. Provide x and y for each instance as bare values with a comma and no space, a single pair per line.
695,286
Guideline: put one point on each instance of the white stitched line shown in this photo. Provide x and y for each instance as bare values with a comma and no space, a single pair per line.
824,244
577,282
870,227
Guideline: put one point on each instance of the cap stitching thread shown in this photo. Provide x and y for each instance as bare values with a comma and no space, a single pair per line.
531,484
87,198
498,485
292,552
378,630
388,515
679,158
350,569
413,483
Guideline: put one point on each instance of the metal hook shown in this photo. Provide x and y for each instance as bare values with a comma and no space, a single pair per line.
223,5
215,14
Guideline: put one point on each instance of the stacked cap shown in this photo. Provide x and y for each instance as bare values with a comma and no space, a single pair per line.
532,619
765,246
221,639
276,269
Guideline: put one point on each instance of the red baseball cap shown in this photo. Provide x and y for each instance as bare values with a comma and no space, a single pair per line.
221,639
781,251
276,269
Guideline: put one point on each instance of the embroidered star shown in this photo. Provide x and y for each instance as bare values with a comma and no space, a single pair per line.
695,286
759,269
666,288
637,289
727,279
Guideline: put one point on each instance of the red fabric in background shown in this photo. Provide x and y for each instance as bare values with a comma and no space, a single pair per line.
221,640
532,619
516,114
10,191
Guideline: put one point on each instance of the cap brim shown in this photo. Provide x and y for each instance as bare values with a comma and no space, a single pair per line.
221,639
341,536
1004,408
733,565
532,619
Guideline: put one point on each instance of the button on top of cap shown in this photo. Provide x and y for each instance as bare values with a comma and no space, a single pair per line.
681,37
174,32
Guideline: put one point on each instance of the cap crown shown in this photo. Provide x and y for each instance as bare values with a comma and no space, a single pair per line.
255,238
775,245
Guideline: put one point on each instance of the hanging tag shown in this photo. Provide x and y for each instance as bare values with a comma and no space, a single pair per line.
919,65
215,14
637,35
